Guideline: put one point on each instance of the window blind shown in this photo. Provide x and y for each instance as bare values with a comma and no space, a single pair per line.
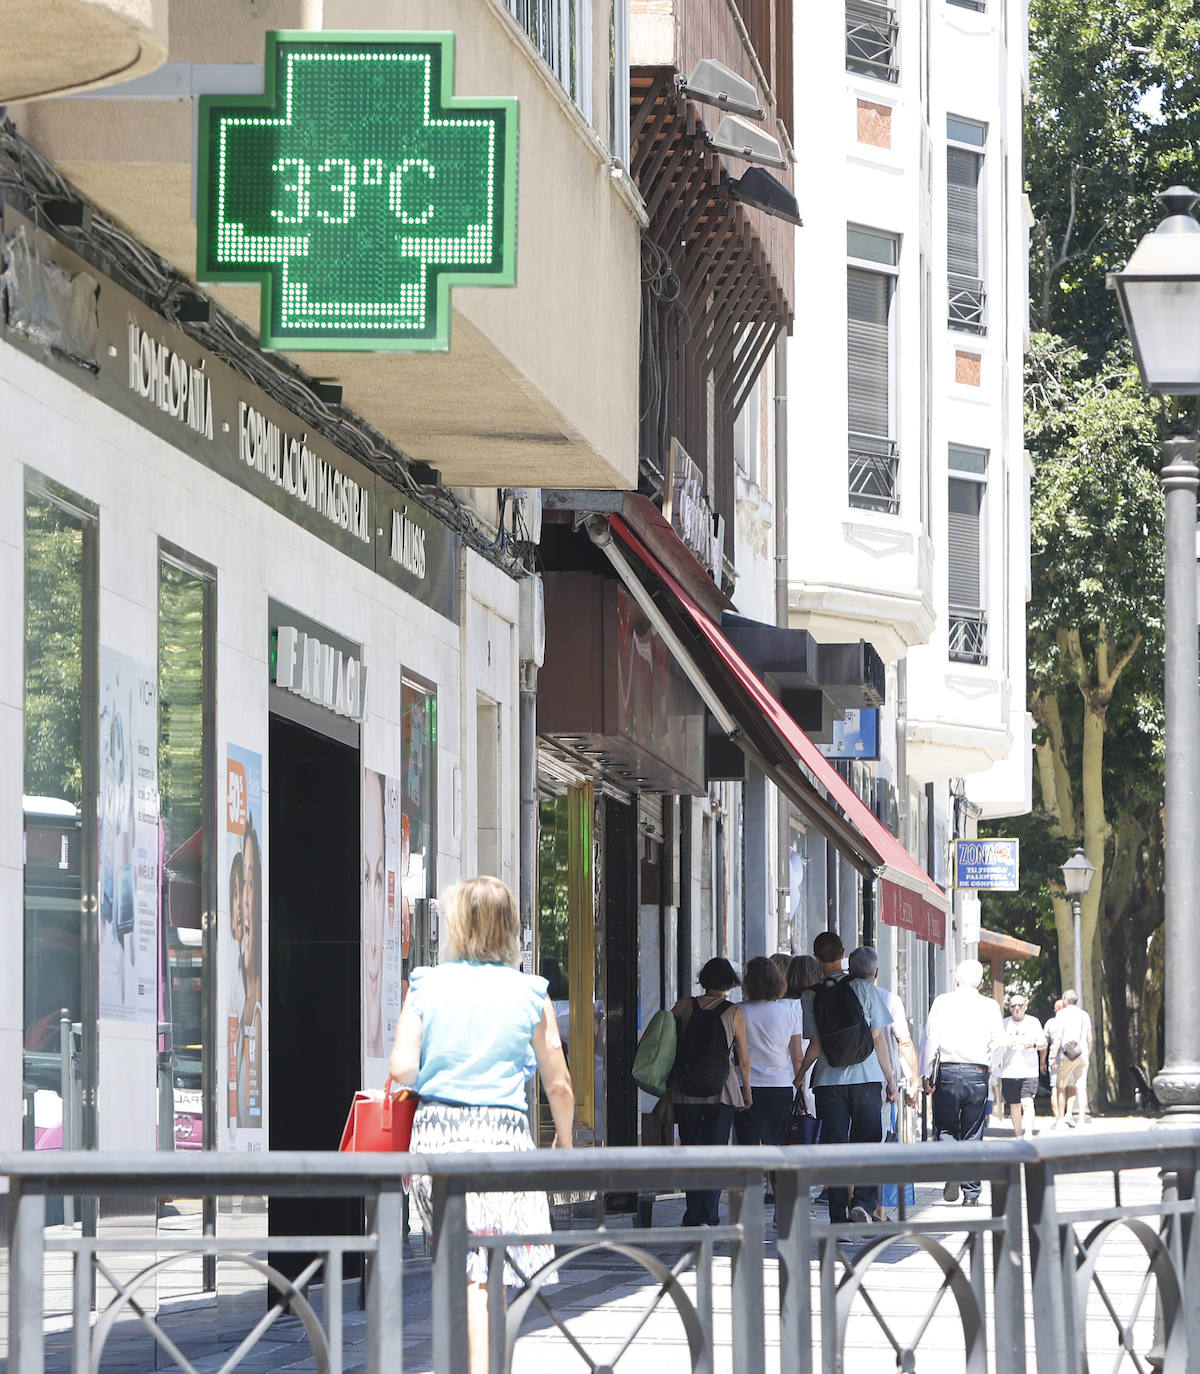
962,211
965,507
868,347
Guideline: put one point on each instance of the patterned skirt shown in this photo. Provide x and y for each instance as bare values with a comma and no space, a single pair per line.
442,1128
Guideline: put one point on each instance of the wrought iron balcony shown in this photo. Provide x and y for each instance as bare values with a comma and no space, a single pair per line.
968,298
874,473
871,31
968,636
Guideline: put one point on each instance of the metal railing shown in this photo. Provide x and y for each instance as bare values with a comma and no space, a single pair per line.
968,301
874,473
871,31
828,1276
968,636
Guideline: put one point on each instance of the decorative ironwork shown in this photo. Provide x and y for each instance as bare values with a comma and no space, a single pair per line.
968,636
871,31
968,299
874,473
830,1276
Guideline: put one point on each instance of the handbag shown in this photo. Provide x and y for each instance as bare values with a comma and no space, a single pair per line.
379,1121
802,1128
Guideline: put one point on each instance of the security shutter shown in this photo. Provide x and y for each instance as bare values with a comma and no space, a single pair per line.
962,211
868,299
966,504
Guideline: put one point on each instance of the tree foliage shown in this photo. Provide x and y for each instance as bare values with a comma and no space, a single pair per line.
1114,97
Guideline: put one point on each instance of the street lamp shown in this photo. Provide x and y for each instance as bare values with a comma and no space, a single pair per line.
1159,295
1077,878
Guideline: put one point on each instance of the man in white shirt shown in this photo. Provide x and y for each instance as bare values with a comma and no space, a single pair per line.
963,1036
1072,1050
1024,1041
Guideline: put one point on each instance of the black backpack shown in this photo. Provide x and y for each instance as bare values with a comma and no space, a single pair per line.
702,1062
845,1036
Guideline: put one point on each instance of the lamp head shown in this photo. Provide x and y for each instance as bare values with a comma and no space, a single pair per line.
1159,296
1077,873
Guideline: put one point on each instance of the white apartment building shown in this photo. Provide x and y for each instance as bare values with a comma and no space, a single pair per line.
908,511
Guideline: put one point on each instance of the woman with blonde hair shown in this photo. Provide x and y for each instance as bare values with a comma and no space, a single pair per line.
462,1039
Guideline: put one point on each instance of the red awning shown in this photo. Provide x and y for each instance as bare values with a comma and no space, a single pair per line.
909,897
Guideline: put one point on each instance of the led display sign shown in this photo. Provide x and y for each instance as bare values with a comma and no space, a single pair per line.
357,189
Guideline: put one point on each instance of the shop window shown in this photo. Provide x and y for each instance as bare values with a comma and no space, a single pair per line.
567,953
186,649
59,1065
418,823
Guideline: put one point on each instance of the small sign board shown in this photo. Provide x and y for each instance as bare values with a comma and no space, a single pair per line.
357,189
855,736
987,865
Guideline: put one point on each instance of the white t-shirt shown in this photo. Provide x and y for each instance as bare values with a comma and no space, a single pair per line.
1073,1023
770,1027
1021,1062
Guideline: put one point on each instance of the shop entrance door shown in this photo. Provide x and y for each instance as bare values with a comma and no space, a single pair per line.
315,958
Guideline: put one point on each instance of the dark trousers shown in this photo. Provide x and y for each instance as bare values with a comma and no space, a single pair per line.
849,1112
763,1121
703,1123
960,1108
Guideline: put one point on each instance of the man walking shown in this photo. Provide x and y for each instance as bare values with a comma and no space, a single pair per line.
845,1022
1024,1041
963,1035
1072,1049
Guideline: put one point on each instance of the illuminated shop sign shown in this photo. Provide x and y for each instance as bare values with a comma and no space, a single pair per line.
357,189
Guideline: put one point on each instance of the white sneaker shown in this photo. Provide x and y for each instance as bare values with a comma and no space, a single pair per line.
860,1215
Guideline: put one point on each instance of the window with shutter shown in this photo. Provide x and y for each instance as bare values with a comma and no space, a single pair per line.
874,462
964,554
964,173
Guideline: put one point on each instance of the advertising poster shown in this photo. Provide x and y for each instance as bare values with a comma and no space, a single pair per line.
382,901
129,858
242,965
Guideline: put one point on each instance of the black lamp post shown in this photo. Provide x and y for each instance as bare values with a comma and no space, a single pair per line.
1077,874
1159,294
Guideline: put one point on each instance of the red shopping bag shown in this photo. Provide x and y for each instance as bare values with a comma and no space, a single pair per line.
379,1121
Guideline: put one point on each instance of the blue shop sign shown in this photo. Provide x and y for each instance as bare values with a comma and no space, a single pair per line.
988,865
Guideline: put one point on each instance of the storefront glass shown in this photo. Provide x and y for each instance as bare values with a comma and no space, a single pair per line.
59,1039
418,823
185,793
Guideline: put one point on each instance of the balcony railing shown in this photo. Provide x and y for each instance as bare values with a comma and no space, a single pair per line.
968,299
874,473
828,1276
968,636
871,31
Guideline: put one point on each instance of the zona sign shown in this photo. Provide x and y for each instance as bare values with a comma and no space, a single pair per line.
357,189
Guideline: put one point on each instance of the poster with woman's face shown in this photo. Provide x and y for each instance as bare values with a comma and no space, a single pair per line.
381,924
240,936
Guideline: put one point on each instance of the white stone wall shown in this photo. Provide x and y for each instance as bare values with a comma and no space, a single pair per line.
145,489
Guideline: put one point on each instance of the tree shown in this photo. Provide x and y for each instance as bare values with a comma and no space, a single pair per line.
1114,97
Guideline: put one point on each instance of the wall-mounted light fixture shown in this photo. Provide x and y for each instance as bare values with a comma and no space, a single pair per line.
712,83
762,191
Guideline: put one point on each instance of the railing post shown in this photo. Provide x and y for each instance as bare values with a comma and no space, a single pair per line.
746,1278
1189,1268
26,1279
385,1286
449,1275
1008,1280
1053,1295
793,1222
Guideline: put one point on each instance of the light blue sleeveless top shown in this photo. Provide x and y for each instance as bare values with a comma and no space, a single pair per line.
477,1021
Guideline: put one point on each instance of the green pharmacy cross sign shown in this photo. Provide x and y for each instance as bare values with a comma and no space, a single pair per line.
357,189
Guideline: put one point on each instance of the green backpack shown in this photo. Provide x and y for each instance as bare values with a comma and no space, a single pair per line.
655,1057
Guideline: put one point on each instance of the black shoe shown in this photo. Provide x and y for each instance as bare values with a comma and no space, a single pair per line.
950,1192
970,1201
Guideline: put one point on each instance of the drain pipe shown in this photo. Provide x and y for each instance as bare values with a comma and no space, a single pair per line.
787,939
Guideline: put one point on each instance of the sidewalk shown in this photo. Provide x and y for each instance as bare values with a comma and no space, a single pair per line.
603,1297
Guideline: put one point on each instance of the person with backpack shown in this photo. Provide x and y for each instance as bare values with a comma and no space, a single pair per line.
846,1021
705,1090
